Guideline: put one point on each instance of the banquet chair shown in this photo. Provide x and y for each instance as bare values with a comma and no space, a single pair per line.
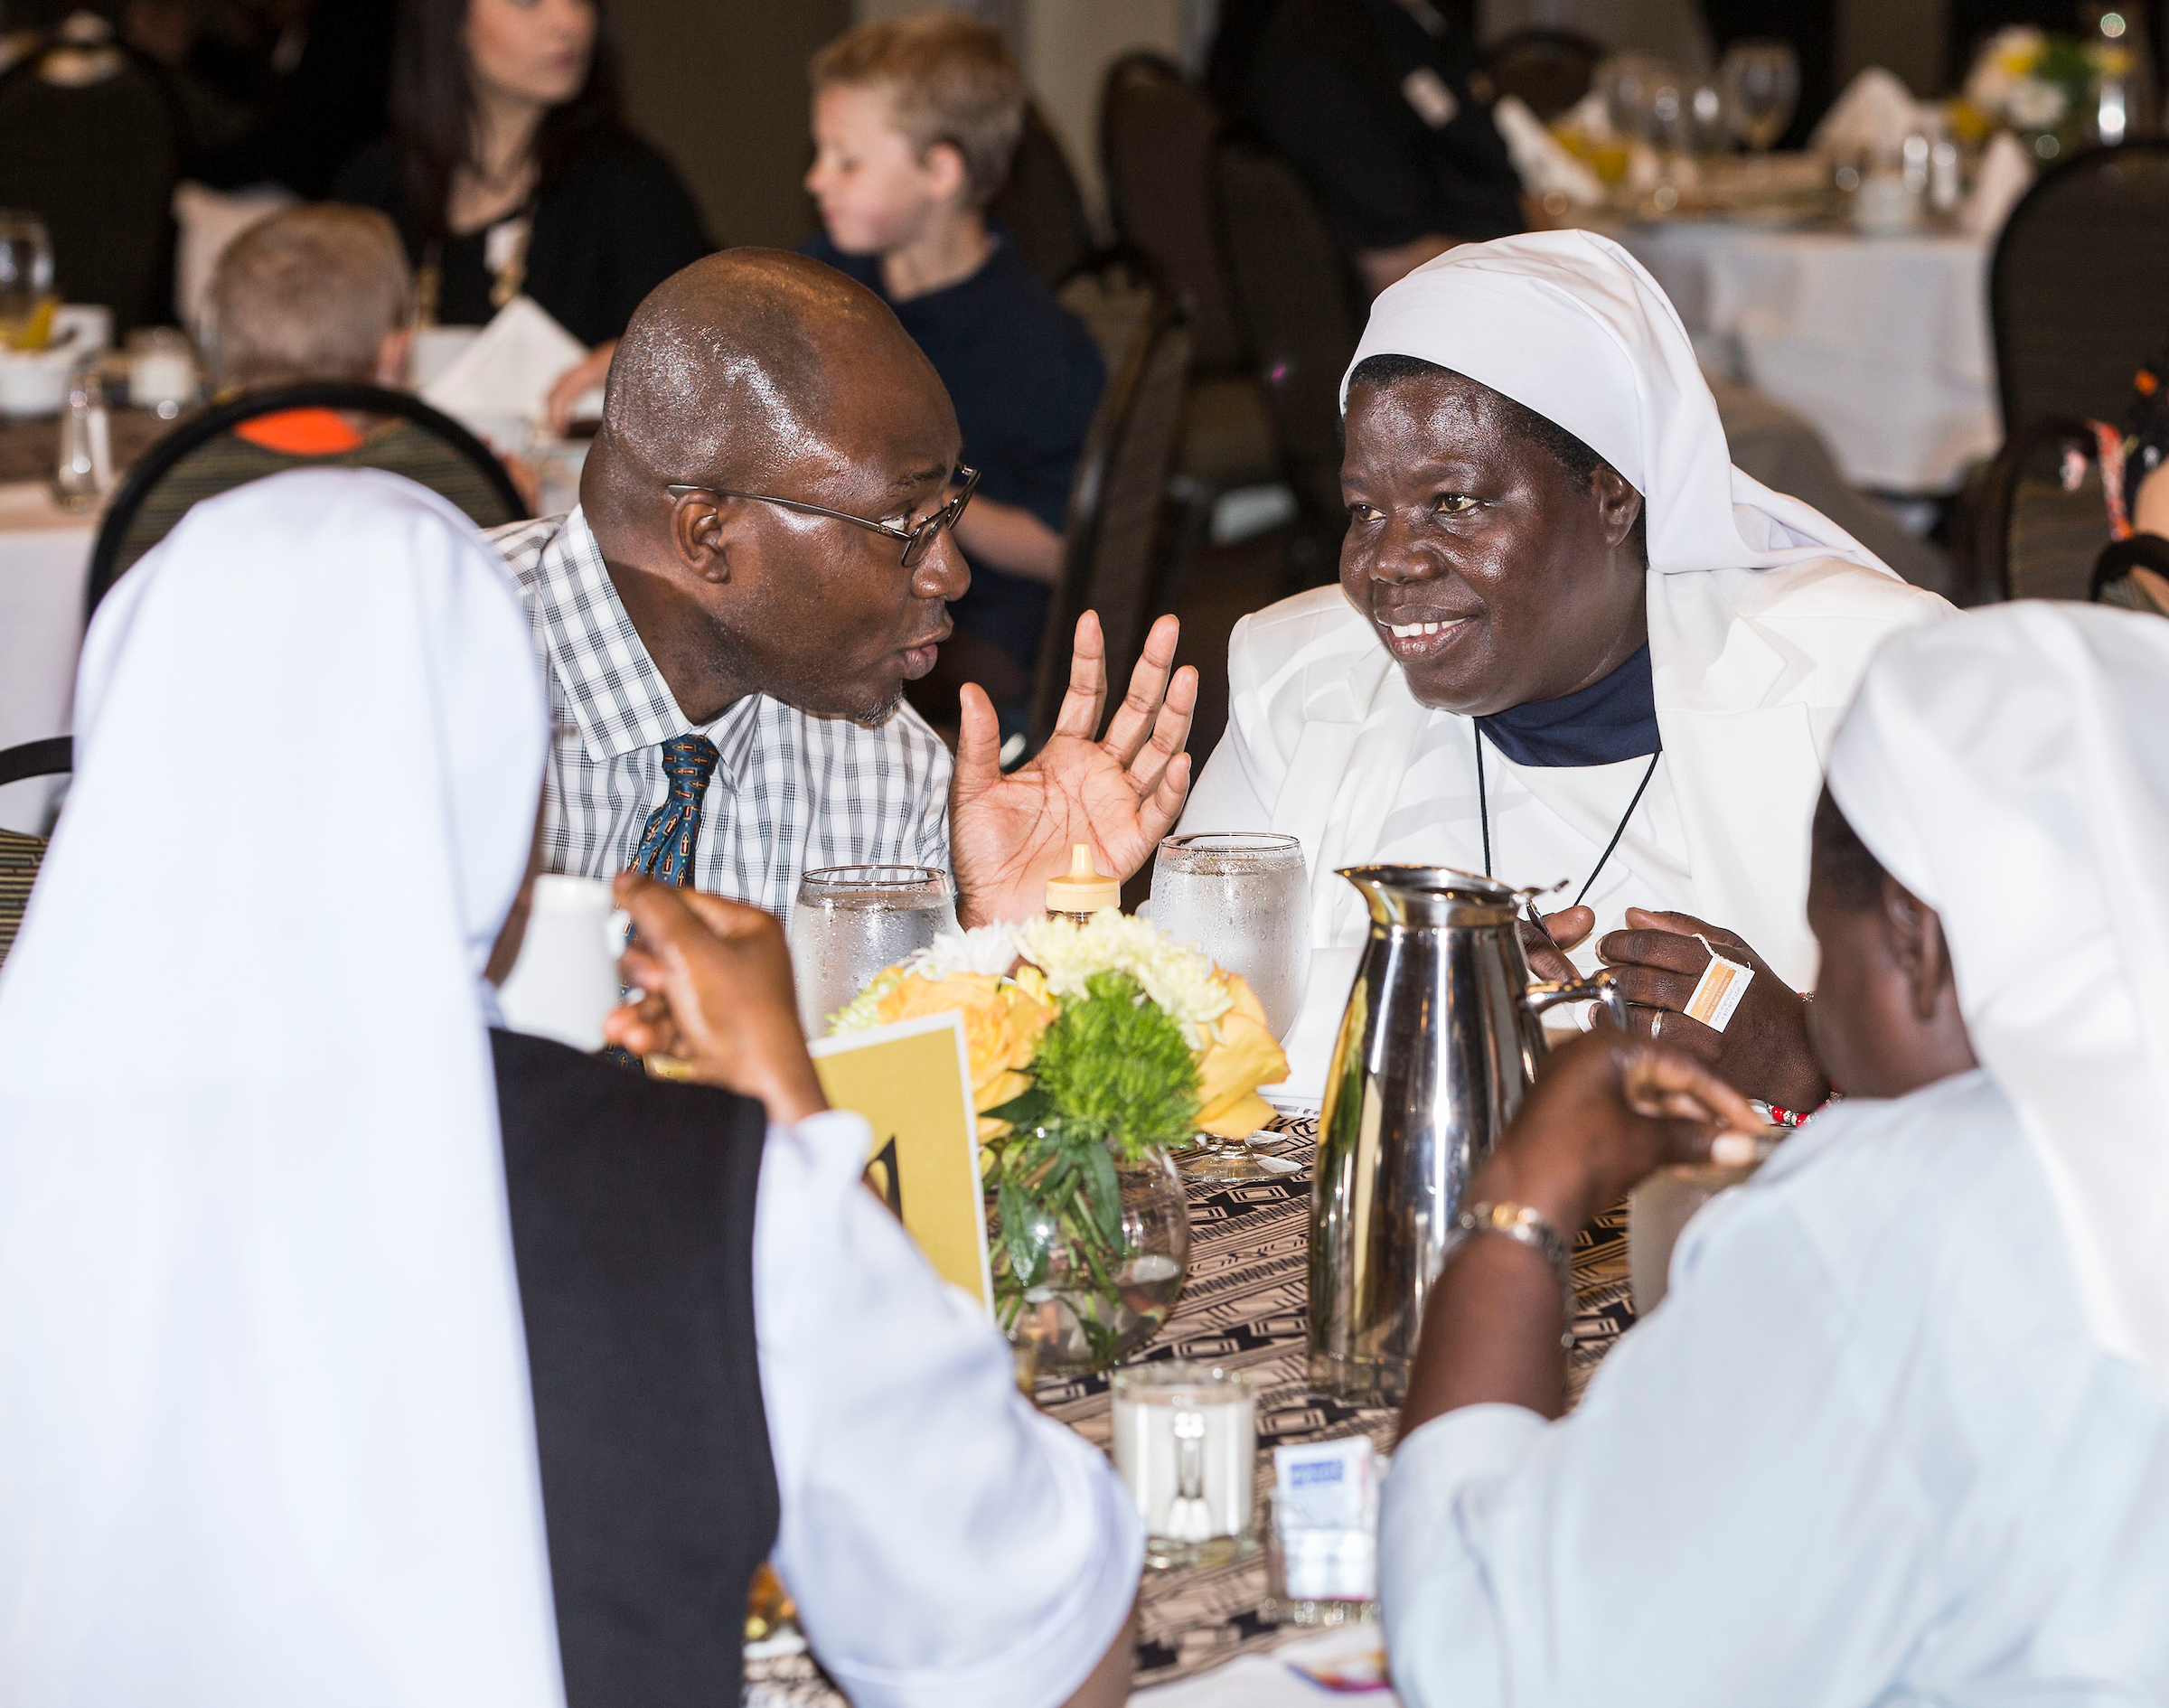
1040,205
1110,560
1548,69
2078,285
1298,307
1158,132
200,458
2036,522
96,162
20,853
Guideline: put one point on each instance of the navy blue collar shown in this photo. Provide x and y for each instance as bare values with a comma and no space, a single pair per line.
1601,725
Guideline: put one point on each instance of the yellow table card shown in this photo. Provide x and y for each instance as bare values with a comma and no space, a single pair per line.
912,1081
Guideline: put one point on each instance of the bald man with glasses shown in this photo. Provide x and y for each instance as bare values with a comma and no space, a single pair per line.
763,555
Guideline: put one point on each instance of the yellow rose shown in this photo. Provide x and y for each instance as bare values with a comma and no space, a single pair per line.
1240,1055
1002,1024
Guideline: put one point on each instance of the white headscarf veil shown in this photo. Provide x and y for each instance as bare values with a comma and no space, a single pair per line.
1569,326
2008,767
266,1435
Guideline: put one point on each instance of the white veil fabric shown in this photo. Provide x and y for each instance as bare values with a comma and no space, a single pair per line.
266,1432
1569,326
2008,767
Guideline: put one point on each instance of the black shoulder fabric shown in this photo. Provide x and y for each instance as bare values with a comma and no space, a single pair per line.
632,1212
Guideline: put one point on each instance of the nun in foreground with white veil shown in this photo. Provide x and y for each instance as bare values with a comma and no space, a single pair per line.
1570,642
1899,1431
355,1351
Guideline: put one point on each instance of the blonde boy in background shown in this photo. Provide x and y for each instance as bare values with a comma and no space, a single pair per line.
914,122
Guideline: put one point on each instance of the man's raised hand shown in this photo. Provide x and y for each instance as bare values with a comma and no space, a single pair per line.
1119,795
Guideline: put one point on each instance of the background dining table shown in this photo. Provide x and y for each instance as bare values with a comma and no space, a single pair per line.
1244,1305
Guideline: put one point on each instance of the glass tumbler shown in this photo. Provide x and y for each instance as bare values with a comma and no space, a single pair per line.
851,922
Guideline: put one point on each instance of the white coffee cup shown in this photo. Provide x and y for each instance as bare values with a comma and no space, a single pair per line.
566,979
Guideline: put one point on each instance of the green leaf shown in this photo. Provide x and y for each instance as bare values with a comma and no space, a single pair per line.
1104,1193
1027,1255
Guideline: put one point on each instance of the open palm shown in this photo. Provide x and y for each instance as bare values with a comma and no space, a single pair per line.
1119,795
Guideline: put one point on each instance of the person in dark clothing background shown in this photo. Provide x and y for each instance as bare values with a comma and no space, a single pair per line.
1382,107
510,170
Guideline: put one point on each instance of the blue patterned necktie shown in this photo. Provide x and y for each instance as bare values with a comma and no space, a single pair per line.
666,845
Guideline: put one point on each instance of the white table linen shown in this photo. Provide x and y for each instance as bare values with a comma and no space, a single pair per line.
45,563
1881,342
1867,1450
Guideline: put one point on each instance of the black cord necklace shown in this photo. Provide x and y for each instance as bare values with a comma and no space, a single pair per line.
1483,808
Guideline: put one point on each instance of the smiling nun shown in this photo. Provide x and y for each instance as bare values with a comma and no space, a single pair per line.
1571,642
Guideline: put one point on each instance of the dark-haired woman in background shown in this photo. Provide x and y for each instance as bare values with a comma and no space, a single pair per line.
509,169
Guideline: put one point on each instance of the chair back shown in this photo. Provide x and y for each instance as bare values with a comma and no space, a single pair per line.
1040,203
2036,516
20,853
1298,311
98,163
170,479
2078,285
1158,131
1548,69
1110,563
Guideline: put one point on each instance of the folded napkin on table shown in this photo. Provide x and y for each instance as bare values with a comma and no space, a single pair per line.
1272,1681
1541,159
2005,175
1874,116
500,380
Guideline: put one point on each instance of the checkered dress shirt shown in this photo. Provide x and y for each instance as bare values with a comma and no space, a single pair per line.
791,792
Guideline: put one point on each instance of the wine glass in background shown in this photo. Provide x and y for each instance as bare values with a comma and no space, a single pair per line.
1244,897
1762,84
851,922
25,269
1629,83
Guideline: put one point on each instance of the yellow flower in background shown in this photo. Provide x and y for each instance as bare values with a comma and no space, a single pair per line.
1003,1023
1240,1055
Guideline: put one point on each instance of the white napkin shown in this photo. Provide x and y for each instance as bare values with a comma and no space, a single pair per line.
1591,115
1540,158
2005,175
501,379
1874,116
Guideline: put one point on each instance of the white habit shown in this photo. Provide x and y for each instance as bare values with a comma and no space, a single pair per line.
1762,615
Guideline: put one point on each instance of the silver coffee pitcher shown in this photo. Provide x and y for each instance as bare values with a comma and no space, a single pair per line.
1439,1041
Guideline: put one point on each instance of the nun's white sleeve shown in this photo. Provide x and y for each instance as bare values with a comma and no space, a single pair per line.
948,1546
1722,1520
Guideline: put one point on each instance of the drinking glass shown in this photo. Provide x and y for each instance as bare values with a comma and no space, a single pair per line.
1244,897
853,921
1761,83
1186,1442
25,267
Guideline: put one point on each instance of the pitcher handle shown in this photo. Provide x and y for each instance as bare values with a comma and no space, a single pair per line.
1602,986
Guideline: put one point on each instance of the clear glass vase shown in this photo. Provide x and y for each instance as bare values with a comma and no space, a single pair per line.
1091,1303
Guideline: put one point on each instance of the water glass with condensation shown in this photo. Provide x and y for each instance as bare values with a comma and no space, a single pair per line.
851,922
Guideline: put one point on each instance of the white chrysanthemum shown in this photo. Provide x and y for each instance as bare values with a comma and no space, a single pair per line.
1175,976
990,950
2035,105
863,1010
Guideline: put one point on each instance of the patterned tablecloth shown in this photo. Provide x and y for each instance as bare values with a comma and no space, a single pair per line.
1243,1304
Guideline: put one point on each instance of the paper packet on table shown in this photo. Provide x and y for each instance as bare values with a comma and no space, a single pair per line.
1325,1508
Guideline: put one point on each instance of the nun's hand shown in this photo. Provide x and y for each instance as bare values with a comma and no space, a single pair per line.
718,996
1764,1052
1605,1113
1547,954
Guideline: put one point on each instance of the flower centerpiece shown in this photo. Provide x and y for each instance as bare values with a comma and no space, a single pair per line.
2034,83
1095,1049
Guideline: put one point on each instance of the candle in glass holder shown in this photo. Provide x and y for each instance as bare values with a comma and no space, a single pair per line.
1186,1440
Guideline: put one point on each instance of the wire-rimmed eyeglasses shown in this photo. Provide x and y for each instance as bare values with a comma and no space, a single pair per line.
918,537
